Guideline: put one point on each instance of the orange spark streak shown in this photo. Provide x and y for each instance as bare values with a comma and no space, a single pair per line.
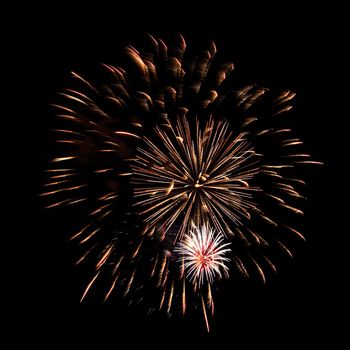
89,285
205,314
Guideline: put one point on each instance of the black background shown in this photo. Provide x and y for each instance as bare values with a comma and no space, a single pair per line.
288,47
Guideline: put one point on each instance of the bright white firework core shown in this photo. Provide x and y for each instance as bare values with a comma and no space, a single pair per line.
202,253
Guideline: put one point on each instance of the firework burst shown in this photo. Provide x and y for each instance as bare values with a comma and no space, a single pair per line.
203,176
203,254
163,142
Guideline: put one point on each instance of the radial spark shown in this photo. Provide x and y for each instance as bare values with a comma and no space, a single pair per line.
202,253
185,173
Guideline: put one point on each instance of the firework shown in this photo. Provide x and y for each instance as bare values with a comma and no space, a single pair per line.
203,176
177,171
203,254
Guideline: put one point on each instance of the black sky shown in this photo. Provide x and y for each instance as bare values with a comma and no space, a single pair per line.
290,47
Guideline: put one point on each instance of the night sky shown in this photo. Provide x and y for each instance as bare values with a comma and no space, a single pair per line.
288,47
